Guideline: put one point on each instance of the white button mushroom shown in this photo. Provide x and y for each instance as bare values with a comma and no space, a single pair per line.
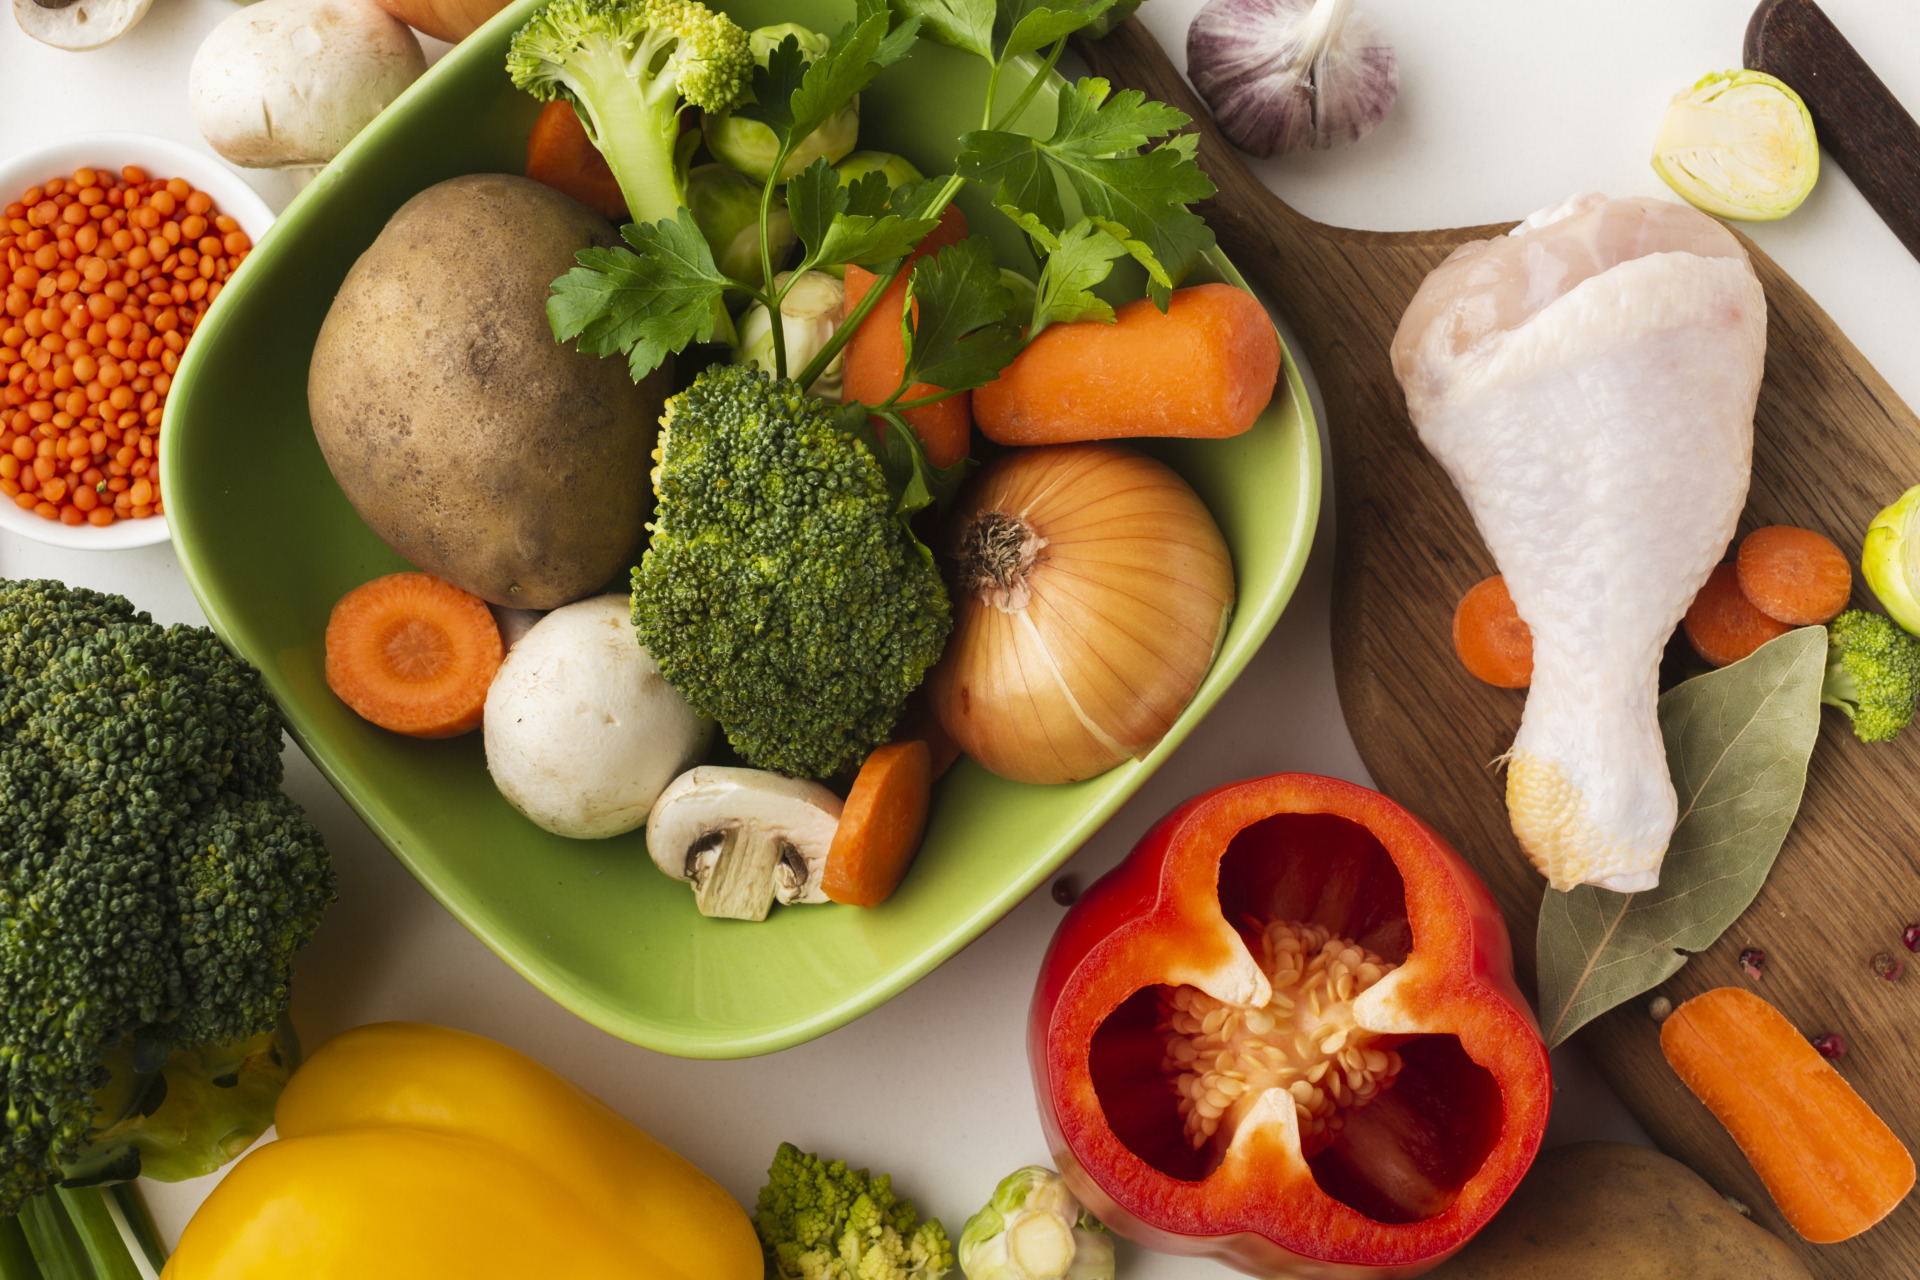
77,25
582,730
286,83
744,838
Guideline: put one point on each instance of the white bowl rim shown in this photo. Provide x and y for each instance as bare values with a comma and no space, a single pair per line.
158,155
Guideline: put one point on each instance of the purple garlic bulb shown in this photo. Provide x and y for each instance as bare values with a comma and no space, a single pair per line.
1281,75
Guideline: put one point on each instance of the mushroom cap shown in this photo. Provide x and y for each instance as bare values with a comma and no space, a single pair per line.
709,798
80,25
582,731
285,84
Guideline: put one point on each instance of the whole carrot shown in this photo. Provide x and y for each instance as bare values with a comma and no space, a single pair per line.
875,357
1828,1161
1205,368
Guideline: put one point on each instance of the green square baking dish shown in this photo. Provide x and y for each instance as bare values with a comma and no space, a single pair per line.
269,543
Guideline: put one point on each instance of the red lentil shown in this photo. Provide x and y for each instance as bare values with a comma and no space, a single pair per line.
105,279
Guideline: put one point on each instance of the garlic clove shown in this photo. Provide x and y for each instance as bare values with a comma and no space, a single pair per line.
1283,75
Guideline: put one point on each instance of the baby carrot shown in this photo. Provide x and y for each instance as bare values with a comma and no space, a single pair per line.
1830,1164
1494,644
881,826
1722,625
1205,368
560,154
1793,575
876,356
413,654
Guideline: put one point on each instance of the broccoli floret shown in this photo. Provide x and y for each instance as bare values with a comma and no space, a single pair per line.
781,595
154,881
822,1221
627,66
1873,674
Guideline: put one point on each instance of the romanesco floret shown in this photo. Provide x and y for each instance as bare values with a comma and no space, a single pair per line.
1873,674
819,1220
780,594
154,880
627,66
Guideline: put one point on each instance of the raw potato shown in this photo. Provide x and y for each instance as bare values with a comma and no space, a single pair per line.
464,435
1614,1211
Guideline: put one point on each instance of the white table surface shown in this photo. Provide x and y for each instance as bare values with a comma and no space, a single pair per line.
1505,105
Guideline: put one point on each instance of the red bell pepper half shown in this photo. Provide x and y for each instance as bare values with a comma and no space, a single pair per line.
1285,1033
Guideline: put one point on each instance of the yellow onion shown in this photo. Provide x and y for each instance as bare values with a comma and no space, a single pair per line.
1091,592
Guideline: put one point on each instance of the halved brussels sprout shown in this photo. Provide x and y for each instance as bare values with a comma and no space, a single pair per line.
1739,144
726,208
1890,560
898,169
750,147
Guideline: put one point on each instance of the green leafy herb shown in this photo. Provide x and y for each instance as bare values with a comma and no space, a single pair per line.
964,333
1095,147
960,24
649,302
915,482
1076,260
1738,741
847,224
1022,26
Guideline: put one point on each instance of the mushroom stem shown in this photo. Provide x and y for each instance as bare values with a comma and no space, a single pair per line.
733,871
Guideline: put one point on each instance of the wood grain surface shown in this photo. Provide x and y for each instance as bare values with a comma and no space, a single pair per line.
1833,444
1859,121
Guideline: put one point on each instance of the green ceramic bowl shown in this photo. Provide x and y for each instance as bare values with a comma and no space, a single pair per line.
269,543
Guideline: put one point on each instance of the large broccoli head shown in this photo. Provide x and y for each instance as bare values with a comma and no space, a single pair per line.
1873,673
154,881
781,595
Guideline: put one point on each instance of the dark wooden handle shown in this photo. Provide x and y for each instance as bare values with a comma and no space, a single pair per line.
1860,122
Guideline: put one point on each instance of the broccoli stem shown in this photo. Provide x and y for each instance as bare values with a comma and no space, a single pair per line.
87,1234
110,1253
638,132
16,1255
55,1244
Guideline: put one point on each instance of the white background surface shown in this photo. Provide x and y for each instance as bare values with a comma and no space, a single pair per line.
1505,105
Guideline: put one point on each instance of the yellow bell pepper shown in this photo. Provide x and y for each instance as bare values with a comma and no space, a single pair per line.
413,1152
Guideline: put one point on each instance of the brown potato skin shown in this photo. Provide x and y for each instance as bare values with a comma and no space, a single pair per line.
464,435
1615,1211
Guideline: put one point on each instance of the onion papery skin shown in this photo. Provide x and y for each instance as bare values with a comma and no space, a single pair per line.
1126,605
1243,57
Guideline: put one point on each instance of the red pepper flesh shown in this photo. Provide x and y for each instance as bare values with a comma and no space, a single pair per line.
1416,1159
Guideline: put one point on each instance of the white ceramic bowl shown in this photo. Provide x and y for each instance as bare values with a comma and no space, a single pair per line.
161,158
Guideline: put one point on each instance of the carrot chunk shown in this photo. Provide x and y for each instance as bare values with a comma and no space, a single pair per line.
560,154
1205,368
1793,575
1493,643
1830,1164
881,826
876,356
1722,625
413,654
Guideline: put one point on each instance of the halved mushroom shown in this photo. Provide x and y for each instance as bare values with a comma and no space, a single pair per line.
77,25
744,838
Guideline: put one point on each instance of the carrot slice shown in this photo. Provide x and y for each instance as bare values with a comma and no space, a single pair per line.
1722,625
1205,368
876,355
1493,643
413,654
881,825
1828,1161
1793,575
560,154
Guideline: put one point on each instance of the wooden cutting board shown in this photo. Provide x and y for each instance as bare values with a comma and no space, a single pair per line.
1833,444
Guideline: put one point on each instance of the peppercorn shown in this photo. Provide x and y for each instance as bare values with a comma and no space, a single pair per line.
1888,967
1753,960
1830,1045
1912,937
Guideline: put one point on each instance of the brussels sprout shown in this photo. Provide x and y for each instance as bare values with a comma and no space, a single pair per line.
810,313
726,208
750,147
1739,144
898,169
1033,1229
1891,559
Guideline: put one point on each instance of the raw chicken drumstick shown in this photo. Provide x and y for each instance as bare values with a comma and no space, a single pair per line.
1588,381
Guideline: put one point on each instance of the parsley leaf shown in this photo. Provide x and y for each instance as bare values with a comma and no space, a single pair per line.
915,483
649,301
958,323
840,224
1075,261
1022,26
1095,147
773,88
959,24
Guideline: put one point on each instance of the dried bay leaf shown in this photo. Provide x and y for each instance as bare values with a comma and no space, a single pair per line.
1738,741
